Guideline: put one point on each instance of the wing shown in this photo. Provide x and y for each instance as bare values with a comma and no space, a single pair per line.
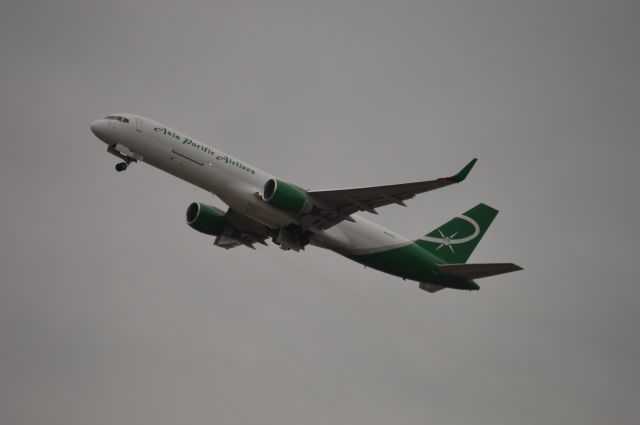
338,205
242,230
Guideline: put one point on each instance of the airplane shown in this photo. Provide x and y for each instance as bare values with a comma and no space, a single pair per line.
262,207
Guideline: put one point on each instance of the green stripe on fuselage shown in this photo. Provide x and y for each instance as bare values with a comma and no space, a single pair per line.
413,263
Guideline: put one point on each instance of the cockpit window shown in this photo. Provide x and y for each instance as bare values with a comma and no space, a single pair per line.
116,117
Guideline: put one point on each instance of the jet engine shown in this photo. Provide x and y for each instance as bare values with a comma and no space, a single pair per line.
206,219
286,196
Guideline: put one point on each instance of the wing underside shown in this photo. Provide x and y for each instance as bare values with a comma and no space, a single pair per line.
242,230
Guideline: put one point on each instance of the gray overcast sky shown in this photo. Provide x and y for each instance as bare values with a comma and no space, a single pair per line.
113,311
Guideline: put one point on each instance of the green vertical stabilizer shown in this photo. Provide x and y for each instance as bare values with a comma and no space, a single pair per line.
454,241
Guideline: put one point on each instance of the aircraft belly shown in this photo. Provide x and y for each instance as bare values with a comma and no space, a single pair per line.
364,235
408,261
358,238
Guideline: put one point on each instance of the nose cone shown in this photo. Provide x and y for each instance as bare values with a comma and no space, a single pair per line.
99,129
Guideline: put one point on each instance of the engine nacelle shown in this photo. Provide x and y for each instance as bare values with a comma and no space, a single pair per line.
206,219
286,196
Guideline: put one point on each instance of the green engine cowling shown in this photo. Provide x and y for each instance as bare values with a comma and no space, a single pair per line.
286,196
206,219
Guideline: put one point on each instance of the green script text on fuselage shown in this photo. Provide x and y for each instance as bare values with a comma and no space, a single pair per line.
203,148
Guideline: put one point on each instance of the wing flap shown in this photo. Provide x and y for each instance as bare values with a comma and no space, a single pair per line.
227,242
242,231
476,271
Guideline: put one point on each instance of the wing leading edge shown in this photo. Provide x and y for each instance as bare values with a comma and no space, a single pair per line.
337,205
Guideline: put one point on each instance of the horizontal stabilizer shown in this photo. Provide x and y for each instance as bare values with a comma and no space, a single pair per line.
476,271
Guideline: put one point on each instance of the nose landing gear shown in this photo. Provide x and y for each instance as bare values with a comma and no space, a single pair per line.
124,154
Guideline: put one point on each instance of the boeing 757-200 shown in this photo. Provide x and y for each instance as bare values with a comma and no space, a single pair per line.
262,207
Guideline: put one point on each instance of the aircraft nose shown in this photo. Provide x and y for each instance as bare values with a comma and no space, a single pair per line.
98,128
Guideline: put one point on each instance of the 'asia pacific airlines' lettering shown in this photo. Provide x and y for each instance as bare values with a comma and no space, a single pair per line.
203,148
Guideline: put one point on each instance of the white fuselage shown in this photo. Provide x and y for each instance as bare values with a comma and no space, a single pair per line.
235,182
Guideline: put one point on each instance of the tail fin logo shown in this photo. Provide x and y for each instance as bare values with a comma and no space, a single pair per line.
449,241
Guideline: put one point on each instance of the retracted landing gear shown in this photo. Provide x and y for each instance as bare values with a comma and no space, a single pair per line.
121,166
292,237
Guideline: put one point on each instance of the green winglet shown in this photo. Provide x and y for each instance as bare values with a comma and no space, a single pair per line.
464,172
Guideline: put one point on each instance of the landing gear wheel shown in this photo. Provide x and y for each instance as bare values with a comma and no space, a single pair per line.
121,166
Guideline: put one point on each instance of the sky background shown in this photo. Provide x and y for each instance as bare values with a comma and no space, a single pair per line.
114,311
